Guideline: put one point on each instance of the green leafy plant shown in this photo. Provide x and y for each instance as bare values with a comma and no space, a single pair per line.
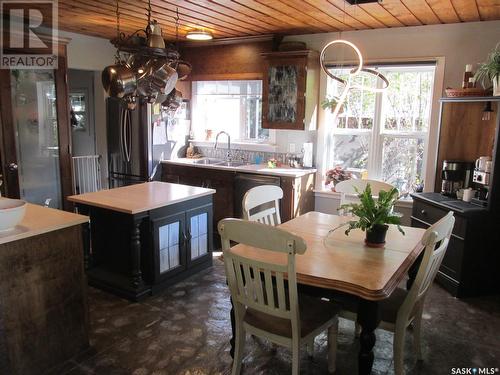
490,69
371,212
331,103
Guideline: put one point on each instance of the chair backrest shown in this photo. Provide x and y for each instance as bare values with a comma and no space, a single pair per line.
348,194
268,195
435,240
251,281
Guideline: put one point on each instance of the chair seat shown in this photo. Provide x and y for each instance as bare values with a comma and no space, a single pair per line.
389,307
313,314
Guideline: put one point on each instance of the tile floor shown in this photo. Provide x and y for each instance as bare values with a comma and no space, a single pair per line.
186,330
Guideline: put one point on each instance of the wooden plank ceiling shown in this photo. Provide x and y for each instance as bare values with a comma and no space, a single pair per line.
239,18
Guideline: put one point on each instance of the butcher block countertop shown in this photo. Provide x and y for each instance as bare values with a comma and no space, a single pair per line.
40,220
139,198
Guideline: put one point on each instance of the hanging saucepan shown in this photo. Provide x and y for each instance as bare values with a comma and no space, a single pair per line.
164,79
119,80
173,101
183,69
140,65
161,98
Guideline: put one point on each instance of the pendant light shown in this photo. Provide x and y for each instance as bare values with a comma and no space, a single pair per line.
199,35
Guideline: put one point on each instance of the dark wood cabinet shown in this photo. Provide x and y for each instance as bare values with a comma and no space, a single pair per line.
469,266
298,195
290,90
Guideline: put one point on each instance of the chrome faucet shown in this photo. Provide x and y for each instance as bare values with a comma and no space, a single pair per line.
228,143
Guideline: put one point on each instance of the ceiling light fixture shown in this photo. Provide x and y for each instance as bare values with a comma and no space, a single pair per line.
199,35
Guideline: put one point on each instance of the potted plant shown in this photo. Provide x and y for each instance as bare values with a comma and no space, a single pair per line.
489,71
336,175
331,103
374,215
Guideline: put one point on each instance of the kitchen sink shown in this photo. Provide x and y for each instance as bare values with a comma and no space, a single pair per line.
231,163
209,161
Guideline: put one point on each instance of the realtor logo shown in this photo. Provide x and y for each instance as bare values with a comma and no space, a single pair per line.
28,34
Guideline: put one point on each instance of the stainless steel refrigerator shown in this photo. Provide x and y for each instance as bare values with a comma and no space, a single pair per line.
137,142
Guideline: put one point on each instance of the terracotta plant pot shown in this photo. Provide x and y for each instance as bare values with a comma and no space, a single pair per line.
376,237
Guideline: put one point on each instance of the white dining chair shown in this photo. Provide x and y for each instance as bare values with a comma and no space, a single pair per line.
348,193
262,204
265,298
404,307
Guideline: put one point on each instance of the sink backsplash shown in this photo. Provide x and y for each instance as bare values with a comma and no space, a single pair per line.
247,156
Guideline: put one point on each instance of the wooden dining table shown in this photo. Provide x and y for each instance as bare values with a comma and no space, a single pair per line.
344,267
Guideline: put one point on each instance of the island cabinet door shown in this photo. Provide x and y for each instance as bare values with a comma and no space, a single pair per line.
169,246
199,234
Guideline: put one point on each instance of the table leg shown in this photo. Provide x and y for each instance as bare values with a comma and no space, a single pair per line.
87,257
136,273
368,319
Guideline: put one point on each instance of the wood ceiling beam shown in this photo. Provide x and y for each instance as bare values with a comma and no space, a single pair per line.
466,9
380,13
401,12
422,11
489,9
444,10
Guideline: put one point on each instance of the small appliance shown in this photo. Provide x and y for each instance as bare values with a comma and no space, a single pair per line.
456,175
481,180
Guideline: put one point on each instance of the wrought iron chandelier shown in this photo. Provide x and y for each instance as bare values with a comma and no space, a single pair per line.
145,68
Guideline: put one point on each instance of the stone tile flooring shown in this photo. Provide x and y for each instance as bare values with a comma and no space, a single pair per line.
186,330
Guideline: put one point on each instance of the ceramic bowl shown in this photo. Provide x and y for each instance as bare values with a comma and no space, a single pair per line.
11,213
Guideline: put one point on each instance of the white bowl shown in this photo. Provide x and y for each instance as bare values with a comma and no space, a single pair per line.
11,213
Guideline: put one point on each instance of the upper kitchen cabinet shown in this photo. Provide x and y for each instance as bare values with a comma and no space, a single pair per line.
290,90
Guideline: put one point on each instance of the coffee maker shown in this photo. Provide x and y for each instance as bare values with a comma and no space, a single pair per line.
481,180
456,175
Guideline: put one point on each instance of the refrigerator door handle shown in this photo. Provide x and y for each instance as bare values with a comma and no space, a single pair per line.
126,135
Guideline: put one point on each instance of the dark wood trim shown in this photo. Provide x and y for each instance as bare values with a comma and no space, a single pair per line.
8,137
64,128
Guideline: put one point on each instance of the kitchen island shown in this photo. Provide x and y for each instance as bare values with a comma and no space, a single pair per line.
43,297
147,236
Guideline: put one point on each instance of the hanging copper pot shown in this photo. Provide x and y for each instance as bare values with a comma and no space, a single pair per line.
183,69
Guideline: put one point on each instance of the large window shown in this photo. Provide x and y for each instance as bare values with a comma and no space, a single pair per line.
384,135
232,106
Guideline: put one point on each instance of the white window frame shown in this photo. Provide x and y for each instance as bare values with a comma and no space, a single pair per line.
243,144
375,160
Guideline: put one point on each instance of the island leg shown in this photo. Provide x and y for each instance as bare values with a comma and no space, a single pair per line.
368,318
135,247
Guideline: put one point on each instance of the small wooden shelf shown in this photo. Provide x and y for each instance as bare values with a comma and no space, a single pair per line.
466,99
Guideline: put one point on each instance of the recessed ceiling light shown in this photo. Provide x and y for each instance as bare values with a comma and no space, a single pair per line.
199,35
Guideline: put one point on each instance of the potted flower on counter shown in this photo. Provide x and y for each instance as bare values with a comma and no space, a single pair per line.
335,175
373,215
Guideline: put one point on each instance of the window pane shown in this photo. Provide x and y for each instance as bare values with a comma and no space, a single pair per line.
351,151
231,106
407,101
402,161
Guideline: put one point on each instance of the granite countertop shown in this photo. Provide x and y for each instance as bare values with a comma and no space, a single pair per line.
143,197
39,220
283,171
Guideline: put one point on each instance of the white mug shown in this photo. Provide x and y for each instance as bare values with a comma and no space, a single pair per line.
468,195
481,163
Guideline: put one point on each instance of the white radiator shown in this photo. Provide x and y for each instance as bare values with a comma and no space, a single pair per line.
86,174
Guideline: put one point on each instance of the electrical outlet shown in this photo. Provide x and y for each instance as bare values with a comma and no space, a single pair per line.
291,147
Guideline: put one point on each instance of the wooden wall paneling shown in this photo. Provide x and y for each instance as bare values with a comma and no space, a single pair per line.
467,10
463,135
444,10
357,13
422,11
232,61
488,9
401,12
378,12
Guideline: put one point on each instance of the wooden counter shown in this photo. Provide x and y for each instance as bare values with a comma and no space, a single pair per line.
146,236
43,297
139,198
